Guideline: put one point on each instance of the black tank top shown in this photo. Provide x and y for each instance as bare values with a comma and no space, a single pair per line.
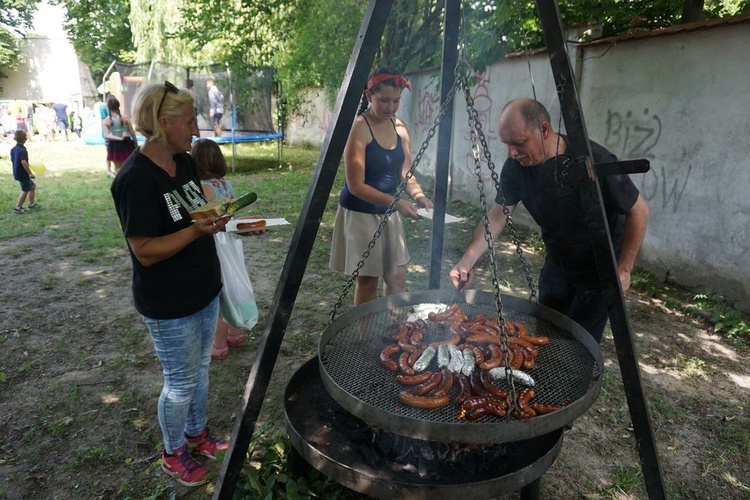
382,171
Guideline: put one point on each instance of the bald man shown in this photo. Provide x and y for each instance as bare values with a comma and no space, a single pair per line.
569,281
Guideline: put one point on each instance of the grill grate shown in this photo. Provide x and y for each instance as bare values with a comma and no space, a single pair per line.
565,369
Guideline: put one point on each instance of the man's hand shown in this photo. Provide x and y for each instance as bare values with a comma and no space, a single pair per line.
461,276
624,279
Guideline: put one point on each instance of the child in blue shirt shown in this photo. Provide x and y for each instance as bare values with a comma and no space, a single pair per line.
22,172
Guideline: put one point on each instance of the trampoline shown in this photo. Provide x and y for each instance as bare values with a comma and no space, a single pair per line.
251,121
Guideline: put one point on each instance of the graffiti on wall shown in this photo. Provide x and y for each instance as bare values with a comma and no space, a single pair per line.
312,117
427,108
657,184
630,136
483,105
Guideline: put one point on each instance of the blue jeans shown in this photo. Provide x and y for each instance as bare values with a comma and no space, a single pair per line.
576,294
183,346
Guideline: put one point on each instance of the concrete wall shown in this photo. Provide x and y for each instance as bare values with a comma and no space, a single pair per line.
685,108
680,100
309,126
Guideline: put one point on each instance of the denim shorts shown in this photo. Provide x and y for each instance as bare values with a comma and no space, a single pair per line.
26,185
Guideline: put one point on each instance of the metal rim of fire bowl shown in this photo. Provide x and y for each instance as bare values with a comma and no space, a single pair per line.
337,461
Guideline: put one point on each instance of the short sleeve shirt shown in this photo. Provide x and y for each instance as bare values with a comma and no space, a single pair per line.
562,218
17,154
151,203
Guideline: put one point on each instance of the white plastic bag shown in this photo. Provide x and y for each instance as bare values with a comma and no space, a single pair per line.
237,303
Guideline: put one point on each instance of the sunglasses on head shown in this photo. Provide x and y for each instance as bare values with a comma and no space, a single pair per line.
168,87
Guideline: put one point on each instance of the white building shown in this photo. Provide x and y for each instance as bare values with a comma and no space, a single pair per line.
51,71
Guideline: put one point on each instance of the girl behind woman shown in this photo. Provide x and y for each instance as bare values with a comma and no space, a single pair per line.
119,134
212,167
376,158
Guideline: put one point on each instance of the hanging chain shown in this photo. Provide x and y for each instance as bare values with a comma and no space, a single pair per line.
474,118
526,46
399,191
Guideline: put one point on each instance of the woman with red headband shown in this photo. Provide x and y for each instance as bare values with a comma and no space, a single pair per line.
376,159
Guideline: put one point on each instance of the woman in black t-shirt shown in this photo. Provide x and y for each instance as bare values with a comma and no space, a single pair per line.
176,275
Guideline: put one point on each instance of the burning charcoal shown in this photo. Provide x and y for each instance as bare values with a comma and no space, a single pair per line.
410,468
469,463
442,450
372,458
402,447
427,452
384,442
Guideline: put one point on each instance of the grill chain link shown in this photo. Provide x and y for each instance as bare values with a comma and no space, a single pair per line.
477,136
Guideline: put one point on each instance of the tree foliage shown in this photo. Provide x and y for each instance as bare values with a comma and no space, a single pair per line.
243,34
309,42
156,25
499,27
15,18
411,40
99,31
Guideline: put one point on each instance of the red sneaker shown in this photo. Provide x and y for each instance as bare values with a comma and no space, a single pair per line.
183,468
206,444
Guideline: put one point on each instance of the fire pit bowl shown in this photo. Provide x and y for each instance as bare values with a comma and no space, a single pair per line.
352,453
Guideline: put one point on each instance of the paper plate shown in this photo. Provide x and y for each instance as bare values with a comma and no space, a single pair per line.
270,224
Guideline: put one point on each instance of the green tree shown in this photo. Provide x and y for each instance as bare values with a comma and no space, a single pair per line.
320,44
99,31
15,18
309,42
244,34
499,27
156,26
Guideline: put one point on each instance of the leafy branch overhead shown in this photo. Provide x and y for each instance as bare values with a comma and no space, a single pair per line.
309,42
99,31
15,18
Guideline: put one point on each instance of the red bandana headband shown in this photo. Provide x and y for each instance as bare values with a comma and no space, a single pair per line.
399,80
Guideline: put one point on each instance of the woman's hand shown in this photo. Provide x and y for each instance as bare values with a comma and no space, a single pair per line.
424,202
407,209
210,225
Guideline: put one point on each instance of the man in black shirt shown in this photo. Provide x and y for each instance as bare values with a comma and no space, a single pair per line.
569,281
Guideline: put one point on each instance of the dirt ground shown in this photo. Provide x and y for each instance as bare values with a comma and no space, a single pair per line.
80,383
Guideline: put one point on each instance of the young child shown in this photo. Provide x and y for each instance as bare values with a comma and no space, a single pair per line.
22,172
212,167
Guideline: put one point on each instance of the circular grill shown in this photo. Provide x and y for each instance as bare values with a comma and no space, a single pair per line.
568,368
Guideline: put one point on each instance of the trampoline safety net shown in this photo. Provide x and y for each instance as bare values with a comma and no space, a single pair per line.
250,97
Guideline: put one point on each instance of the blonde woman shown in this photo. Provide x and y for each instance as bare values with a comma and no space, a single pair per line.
176,274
